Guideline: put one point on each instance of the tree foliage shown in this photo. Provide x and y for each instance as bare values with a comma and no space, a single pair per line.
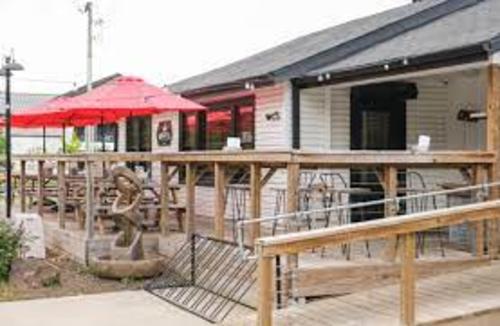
10,245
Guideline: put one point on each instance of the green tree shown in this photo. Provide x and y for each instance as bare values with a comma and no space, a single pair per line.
74,145
10,245
2,144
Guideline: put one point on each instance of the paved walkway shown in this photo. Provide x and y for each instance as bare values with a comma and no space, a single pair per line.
129,308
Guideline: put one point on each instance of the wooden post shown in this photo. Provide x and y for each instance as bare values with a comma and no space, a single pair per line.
89,201
391,189
255,199
493,145
41,187
493,223
479,176
407,299
165,200
61,191
265,302
220,203
390,183
22,186
292,187
190,199
493,116
292,205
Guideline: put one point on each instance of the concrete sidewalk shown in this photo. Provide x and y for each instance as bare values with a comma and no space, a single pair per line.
128,308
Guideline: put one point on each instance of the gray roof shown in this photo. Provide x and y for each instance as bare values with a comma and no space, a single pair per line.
23,100
294,51
422,28
473,25
95,84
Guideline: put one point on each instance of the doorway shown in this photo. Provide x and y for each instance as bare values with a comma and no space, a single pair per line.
378,122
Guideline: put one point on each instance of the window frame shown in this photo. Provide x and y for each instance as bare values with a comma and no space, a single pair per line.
202,129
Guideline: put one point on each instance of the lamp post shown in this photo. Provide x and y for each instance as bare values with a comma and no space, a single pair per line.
7,68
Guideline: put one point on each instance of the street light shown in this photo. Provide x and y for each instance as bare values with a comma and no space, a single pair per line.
7,68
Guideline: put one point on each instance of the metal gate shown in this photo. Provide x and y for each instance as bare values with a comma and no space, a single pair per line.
207,277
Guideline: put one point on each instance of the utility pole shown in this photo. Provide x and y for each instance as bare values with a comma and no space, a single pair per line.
89,131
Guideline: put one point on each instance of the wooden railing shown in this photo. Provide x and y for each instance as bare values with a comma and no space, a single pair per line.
197,163
404,227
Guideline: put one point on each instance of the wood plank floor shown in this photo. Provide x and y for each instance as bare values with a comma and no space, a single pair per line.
441,298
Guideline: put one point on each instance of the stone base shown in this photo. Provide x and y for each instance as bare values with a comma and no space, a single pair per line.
120,269
72,241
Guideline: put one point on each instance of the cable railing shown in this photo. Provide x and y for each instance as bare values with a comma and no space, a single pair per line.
479,191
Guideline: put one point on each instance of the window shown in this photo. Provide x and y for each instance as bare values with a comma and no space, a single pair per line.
219,126
109,131
210,130
246,126
139,134
110,134
139,140
189,123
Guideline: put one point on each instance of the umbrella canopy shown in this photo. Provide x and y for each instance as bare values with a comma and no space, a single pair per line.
119,98
49,114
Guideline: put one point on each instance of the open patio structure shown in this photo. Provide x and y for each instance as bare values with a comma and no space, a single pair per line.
330,120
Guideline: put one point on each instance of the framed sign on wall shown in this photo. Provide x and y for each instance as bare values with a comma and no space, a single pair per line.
164,133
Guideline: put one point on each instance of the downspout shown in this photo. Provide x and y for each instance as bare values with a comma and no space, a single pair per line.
295,115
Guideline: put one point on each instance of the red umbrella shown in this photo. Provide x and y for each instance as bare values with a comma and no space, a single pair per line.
122,97
49,114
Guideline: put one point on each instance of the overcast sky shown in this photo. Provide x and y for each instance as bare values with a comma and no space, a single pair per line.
160,40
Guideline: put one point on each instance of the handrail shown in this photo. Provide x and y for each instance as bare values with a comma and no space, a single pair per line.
241,224
281,157
296,242
481,186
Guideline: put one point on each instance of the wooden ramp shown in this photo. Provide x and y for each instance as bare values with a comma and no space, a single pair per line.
452,299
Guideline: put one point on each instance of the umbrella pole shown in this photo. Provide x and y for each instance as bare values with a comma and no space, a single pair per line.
102,135
44,141
64,138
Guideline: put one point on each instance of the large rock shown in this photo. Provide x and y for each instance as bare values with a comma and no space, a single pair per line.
34,274
32,225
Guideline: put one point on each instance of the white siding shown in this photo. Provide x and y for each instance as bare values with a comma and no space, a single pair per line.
272,134
467,91
340,100
174,146
428,114
314,119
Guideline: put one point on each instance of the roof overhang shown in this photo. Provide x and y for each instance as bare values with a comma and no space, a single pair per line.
237,86
470,54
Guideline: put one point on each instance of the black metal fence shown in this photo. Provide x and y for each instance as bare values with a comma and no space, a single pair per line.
207,277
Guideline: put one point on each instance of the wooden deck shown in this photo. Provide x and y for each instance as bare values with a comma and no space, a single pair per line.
452,298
